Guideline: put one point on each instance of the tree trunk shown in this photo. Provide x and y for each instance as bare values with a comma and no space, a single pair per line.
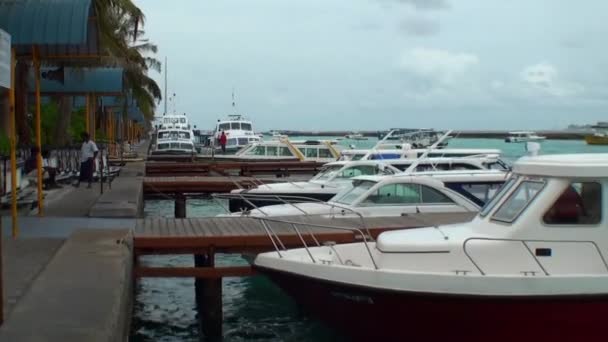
61,135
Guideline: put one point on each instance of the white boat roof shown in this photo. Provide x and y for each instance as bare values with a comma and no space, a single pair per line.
564,165
453,176
422,150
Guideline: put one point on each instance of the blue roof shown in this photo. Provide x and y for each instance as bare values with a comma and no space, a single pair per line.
45,22
102,81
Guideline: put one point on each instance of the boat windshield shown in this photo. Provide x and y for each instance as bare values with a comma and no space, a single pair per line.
245,126
348,196
519,200
328,172
503,190
173,135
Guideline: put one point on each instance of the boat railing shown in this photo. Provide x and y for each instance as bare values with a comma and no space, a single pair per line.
527,247
291,201
298,228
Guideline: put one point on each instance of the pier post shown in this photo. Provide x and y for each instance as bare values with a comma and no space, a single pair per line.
180,205
208,294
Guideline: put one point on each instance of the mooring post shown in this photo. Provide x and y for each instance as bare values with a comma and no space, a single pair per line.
180,205
208,300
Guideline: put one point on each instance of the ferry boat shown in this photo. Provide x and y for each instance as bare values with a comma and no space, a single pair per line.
417,138
355,136
285,150
599,136
531,266
336,176
174,141
523,136
397,195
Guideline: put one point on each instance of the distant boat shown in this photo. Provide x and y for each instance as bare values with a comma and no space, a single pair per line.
355,136
523,136
600,136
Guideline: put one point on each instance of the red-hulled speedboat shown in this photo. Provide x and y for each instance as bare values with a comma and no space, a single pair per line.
530,267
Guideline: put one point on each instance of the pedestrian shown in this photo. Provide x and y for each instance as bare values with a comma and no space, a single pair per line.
88,153
223,140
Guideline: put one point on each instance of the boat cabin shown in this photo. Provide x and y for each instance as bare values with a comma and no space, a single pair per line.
312,150
239,132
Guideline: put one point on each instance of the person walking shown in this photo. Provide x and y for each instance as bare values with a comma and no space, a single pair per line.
223,140
88,153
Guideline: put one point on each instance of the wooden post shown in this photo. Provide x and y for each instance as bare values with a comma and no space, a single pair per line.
87,113
36,58
208,294
180,205
13,144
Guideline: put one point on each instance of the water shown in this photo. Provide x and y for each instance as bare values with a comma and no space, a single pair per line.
254,308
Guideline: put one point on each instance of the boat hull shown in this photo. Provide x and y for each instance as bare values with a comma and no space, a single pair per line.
596,140
236,204
367,314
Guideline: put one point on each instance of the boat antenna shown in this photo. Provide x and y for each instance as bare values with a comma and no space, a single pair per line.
165,85
233,102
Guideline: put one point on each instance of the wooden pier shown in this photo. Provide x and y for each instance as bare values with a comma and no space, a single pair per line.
204,237
277,168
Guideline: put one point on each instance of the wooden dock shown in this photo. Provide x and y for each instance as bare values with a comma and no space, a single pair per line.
223,168
169,186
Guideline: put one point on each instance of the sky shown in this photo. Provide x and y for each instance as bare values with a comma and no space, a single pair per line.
376,64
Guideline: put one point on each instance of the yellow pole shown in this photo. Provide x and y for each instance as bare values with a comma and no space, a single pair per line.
94,109
87,108
38,130
13,143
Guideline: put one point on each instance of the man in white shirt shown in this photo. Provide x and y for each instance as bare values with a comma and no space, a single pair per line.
88,153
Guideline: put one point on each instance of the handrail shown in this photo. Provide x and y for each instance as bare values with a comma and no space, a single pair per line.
250,197
294,225
524,242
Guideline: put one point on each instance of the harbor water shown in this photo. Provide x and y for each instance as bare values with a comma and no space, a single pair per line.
254,308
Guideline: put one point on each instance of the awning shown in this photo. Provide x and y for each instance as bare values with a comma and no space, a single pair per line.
59,27
79,81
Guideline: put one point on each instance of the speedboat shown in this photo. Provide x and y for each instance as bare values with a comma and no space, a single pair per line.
398,195
531,266
406,152
335,176
599,135
523,136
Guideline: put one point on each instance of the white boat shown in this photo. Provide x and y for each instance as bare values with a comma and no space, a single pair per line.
238,130
174,141
398,195
384,151
355,136
336,176
322,151
532,266
523,136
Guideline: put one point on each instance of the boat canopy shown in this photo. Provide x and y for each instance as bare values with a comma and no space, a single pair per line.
564,165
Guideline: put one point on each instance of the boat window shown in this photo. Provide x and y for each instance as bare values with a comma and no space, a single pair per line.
311,152
224,126
325,153
285,152
163,146
256,151
480,193
174,145
231,142
243,141
357,157
235,125
182,120
186,146
430,195
245,126
580,203
495,199
518,201
361,170
271,150
350,195
327,172
395,194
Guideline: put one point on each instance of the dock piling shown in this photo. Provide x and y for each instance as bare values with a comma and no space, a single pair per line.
180,205
208,293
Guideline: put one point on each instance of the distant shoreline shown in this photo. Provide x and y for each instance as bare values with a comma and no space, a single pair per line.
553,135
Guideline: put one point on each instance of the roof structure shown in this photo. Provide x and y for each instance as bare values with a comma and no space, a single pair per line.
564,165
60,28
80,81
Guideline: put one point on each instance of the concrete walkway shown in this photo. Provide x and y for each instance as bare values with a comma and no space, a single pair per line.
82,294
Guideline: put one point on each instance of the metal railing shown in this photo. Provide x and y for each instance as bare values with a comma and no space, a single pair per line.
525,244
280,246
291,201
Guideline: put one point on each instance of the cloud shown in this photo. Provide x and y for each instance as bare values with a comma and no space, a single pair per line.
420,26
544,78
436,65
426,4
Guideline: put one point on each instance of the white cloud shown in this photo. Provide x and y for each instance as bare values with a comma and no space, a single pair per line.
419,26
436,65
426,4
544,78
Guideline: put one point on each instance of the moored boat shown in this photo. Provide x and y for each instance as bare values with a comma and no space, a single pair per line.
531,266
523,136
